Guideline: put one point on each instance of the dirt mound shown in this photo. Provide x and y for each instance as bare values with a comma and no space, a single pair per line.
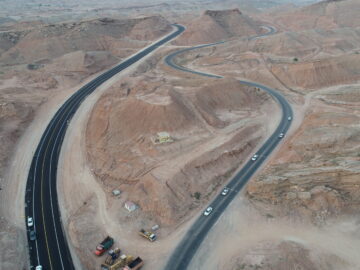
217,25
55,40
208,142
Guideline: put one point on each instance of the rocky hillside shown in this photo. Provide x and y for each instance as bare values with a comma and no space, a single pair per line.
315,176
323,15
217,25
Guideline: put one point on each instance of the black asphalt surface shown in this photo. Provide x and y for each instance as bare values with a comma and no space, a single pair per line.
187,248
41,202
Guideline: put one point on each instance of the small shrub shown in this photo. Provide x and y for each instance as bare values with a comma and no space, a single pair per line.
197,195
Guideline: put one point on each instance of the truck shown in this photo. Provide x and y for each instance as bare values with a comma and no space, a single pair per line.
121,262
104,246
135,264
113,254
148,235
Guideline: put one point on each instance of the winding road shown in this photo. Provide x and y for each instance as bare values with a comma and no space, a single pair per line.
50,248
187,248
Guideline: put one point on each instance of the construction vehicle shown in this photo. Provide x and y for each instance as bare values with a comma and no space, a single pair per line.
113,254
104,245
150,236
121,262
135,264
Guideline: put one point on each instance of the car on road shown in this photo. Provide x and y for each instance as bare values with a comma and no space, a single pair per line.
289,118
281,135
39,267
225,191
32,235
254,157
208,211
30,222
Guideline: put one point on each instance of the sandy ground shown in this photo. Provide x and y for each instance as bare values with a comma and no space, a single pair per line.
242,232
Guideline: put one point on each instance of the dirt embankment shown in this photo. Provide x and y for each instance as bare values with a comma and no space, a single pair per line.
217,25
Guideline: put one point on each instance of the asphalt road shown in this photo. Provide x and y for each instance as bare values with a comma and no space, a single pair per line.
187,248
50,249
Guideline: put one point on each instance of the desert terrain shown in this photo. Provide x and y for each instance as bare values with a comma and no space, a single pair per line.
300,211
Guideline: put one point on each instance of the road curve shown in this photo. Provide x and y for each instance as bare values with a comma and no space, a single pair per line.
186,249
50,249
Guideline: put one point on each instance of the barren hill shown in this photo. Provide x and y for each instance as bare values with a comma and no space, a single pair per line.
323,15
210,133
54,40
216,25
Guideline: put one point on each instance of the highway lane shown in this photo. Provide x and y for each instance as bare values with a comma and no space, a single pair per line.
187,248
50,249
169,59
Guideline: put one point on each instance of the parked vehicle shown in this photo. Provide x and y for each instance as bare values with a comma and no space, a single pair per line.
113,254
148,235
104,246
118,264
135,264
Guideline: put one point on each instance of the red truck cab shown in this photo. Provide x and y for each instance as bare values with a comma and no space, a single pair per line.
104,246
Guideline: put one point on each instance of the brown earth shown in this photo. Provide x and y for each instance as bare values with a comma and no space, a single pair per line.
208,143
40,68
312,179
315,175
322,15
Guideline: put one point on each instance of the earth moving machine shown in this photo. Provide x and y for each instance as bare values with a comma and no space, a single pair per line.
113,254
104,246
148,235
121,262
135,264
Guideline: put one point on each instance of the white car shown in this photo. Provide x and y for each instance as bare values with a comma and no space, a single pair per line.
208,211
281,135
225,191
30,222
289,118
39,267
254,157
